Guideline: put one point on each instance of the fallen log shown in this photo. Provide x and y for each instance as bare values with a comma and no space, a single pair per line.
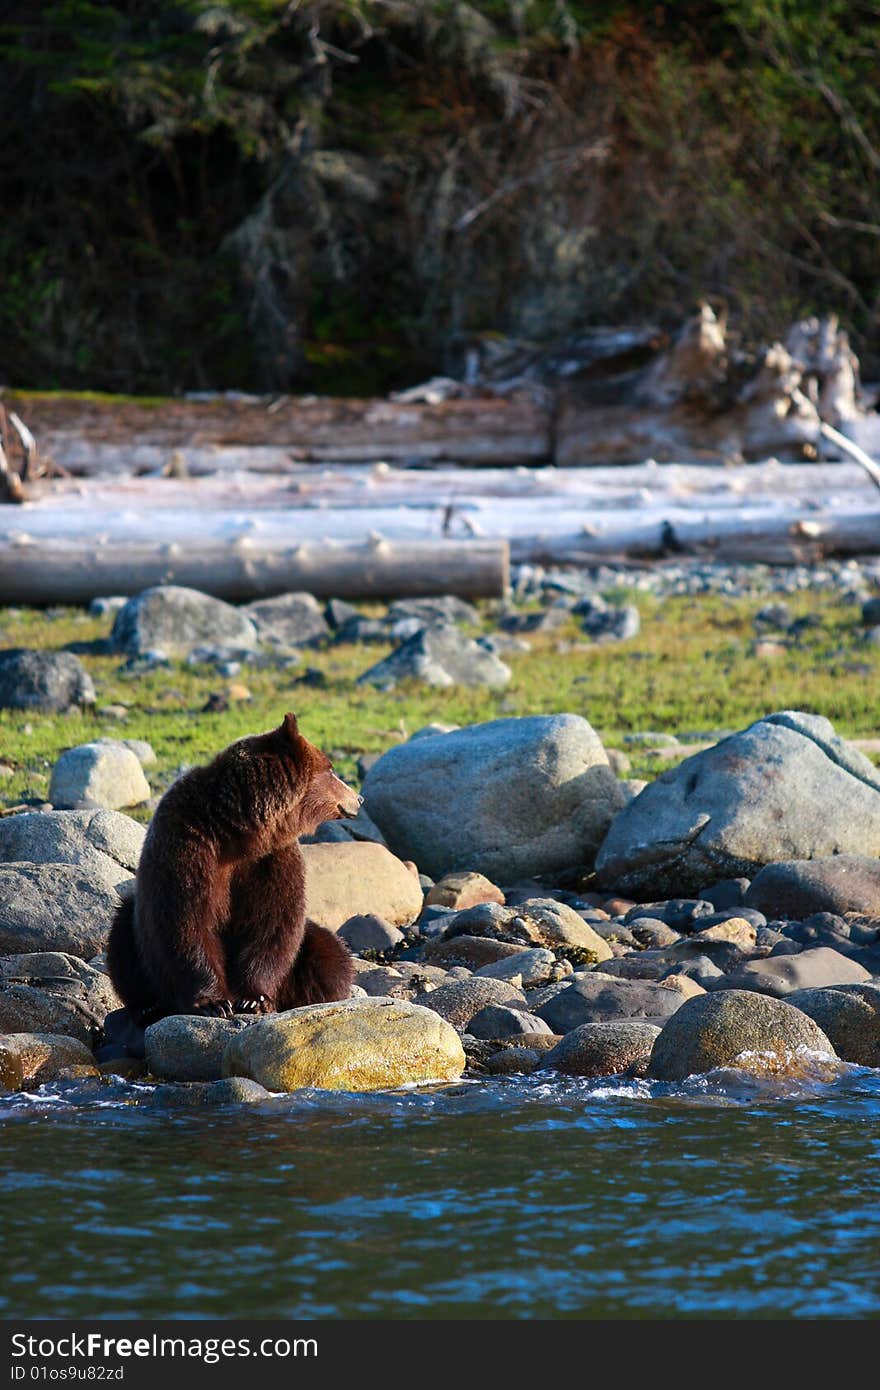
76,570
780,539
94,435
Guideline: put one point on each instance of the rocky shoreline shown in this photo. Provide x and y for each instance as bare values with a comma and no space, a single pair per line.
513,902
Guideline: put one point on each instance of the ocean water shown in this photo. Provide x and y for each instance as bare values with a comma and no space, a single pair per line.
723,1196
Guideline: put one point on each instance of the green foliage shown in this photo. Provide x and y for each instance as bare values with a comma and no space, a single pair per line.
323,195
692,669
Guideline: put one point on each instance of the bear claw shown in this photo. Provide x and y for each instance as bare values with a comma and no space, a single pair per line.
259,1005
213,1008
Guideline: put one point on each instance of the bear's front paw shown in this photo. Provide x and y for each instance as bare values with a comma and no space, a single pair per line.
212,1008
258,1005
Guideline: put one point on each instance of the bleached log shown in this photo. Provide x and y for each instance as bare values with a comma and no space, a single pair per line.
767,539
76,570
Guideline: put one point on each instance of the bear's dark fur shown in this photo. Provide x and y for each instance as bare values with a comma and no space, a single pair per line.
217,921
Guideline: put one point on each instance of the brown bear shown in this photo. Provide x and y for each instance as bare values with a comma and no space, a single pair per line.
217,921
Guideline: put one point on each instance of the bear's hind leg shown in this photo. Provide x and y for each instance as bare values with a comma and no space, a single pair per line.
322,972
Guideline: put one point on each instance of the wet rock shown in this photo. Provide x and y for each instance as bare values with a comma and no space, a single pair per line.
847,1014
106,774
356,878
463,890
41,1058
800,887
520,797
513,1061
231,1090
187,1047
53,682
52,992
458,1003
176,620
54,907
735,1028
498,1021
102,844
816,968
439,657
356,1045
601,998
603,1049
367,932
787,787
288,621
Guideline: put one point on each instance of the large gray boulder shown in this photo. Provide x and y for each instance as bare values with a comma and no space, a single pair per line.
49,681
442,657
175,620
735,1028
288,620
51,992
785,788
54,907
107,774
799,887
104,845
509,799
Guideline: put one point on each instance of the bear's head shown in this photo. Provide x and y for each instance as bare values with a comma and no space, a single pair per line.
326,796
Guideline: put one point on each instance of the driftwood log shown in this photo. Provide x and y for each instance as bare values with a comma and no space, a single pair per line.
75,571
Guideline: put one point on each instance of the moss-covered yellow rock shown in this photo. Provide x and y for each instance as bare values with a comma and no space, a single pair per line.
355,1045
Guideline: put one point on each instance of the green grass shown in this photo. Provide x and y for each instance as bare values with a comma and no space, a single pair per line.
692,668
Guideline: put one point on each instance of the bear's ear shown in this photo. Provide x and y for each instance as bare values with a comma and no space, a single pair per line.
290,727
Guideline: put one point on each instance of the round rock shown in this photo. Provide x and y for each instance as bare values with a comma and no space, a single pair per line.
176,620
39,680
836,883
106,774
187,1047
520,797
735,1028
603,1049
354,878
847,1014
356,1045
